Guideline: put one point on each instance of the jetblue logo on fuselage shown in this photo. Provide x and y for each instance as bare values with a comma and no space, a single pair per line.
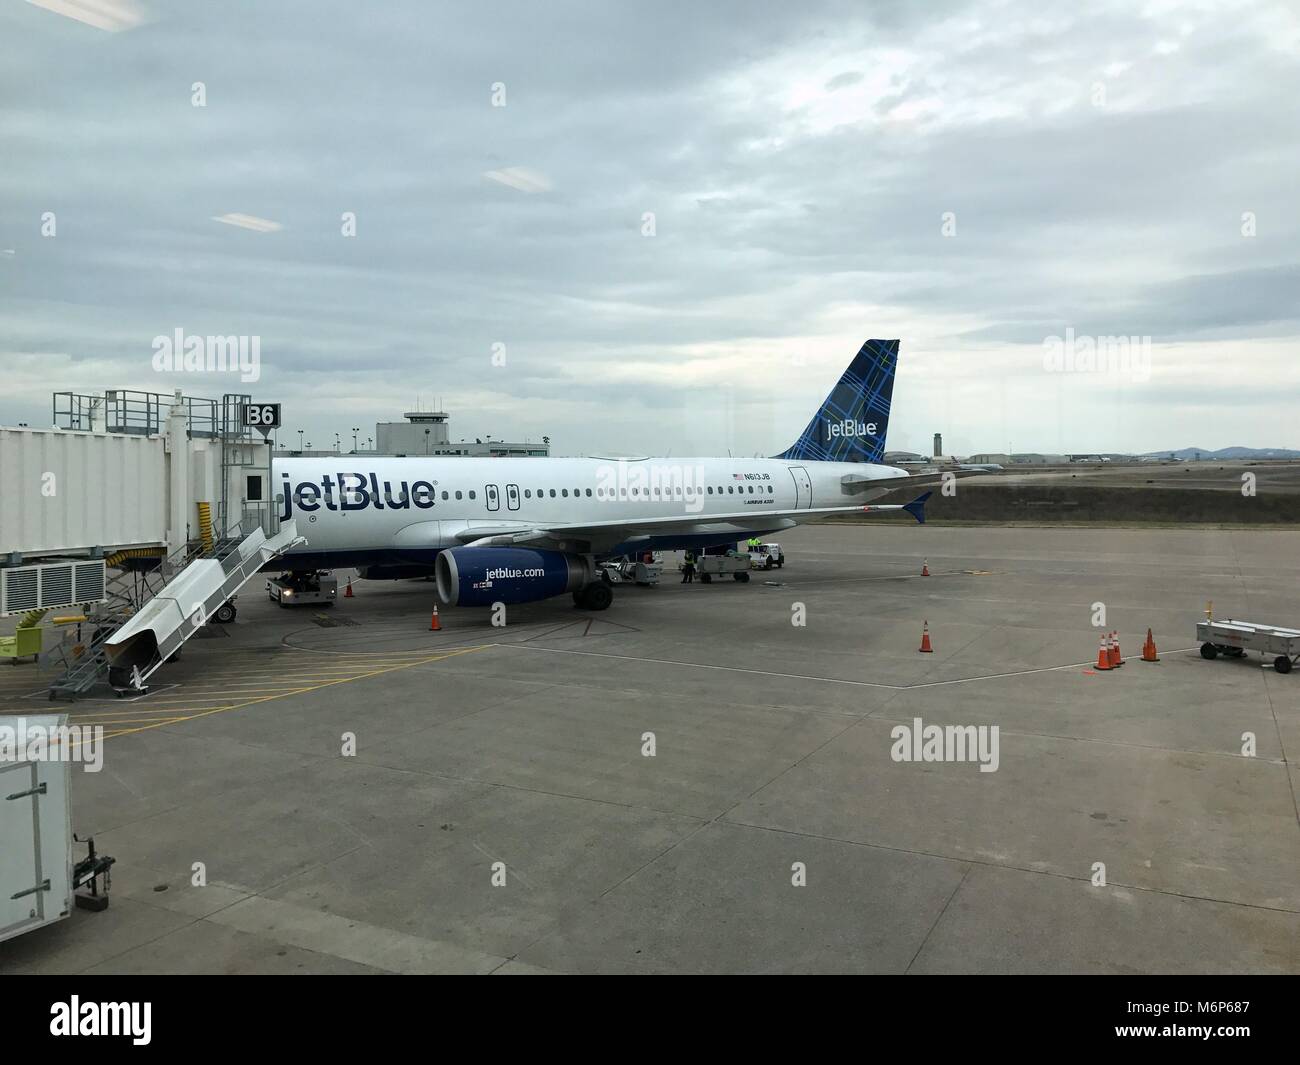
354,491
850,427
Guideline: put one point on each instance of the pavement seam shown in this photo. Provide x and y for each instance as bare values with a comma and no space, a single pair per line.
1017,868
935,924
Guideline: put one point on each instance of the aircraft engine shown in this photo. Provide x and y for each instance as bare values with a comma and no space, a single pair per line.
481,576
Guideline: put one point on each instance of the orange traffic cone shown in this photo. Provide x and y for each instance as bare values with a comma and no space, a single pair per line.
1103,655
1149,649
348,594
434,624
925,639
925,567
1116,659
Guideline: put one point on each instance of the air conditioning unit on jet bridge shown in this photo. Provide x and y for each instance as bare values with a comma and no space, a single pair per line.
50,585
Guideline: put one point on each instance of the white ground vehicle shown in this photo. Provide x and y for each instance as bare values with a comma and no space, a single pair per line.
1235,638
766,556
292,589
629,572
709,566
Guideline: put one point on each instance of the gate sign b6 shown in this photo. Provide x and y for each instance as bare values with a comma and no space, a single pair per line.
262,416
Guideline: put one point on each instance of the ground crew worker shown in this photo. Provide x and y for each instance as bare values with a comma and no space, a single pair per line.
688,568
754,543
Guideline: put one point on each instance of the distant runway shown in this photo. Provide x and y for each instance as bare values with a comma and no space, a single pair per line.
1163,494
1207,476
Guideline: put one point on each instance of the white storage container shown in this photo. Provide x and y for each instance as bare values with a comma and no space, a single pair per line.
35,834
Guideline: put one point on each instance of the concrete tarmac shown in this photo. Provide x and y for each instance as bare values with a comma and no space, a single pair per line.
502,812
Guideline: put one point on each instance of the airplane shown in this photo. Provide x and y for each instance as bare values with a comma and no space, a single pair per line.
502,530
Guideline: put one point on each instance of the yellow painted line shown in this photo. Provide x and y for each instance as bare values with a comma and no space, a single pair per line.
186,694
232,682
179,713
96,714
207,684
314,662
305,674
102,709
127,731
131,706
302,667
300,691
367,654
237,690
225,693
301,672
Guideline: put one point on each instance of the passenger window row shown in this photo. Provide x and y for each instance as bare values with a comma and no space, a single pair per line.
646,493
601,493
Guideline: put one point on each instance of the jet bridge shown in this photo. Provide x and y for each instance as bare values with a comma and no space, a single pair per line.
124,471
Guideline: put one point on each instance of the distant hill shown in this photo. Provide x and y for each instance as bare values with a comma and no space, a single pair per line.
1205,454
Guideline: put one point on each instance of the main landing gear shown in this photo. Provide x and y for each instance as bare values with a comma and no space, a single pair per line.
594,596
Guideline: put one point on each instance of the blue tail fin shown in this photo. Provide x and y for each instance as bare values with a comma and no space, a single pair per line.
851,424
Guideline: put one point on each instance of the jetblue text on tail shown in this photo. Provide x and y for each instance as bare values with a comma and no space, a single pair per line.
853,419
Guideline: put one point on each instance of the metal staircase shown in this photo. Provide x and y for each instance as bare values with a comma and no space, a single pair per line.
79,657
148,614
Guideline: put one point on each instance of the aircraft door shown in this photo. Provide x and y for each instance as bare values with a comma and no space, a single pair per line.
493,495
802,488
512,496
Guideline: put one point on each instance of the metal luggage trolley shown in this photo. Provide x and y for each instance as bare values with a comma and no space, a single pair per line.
1235,638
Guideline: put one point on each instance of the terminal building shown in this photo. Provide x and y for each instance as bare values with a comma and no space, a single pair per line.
905,458
427,433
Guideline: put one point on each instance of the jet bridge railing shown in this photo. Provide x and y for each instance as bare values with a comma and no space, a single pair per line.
126,410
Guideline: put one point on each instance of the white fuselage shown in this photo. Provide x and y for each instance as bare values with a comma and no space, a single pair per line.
352,508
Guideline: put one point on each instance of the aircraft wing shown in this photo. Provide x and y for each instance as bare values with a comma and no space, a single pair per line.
602,536
872,487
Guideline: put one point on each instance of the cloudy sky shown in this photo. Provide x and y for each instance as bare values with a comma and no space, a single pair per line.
680,225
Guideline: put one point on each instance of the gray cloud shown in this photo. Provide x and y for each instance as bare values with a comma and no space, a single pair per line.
798,160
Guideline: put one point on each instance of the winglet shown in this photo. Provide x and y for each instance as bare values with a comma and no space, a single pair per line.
916,508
